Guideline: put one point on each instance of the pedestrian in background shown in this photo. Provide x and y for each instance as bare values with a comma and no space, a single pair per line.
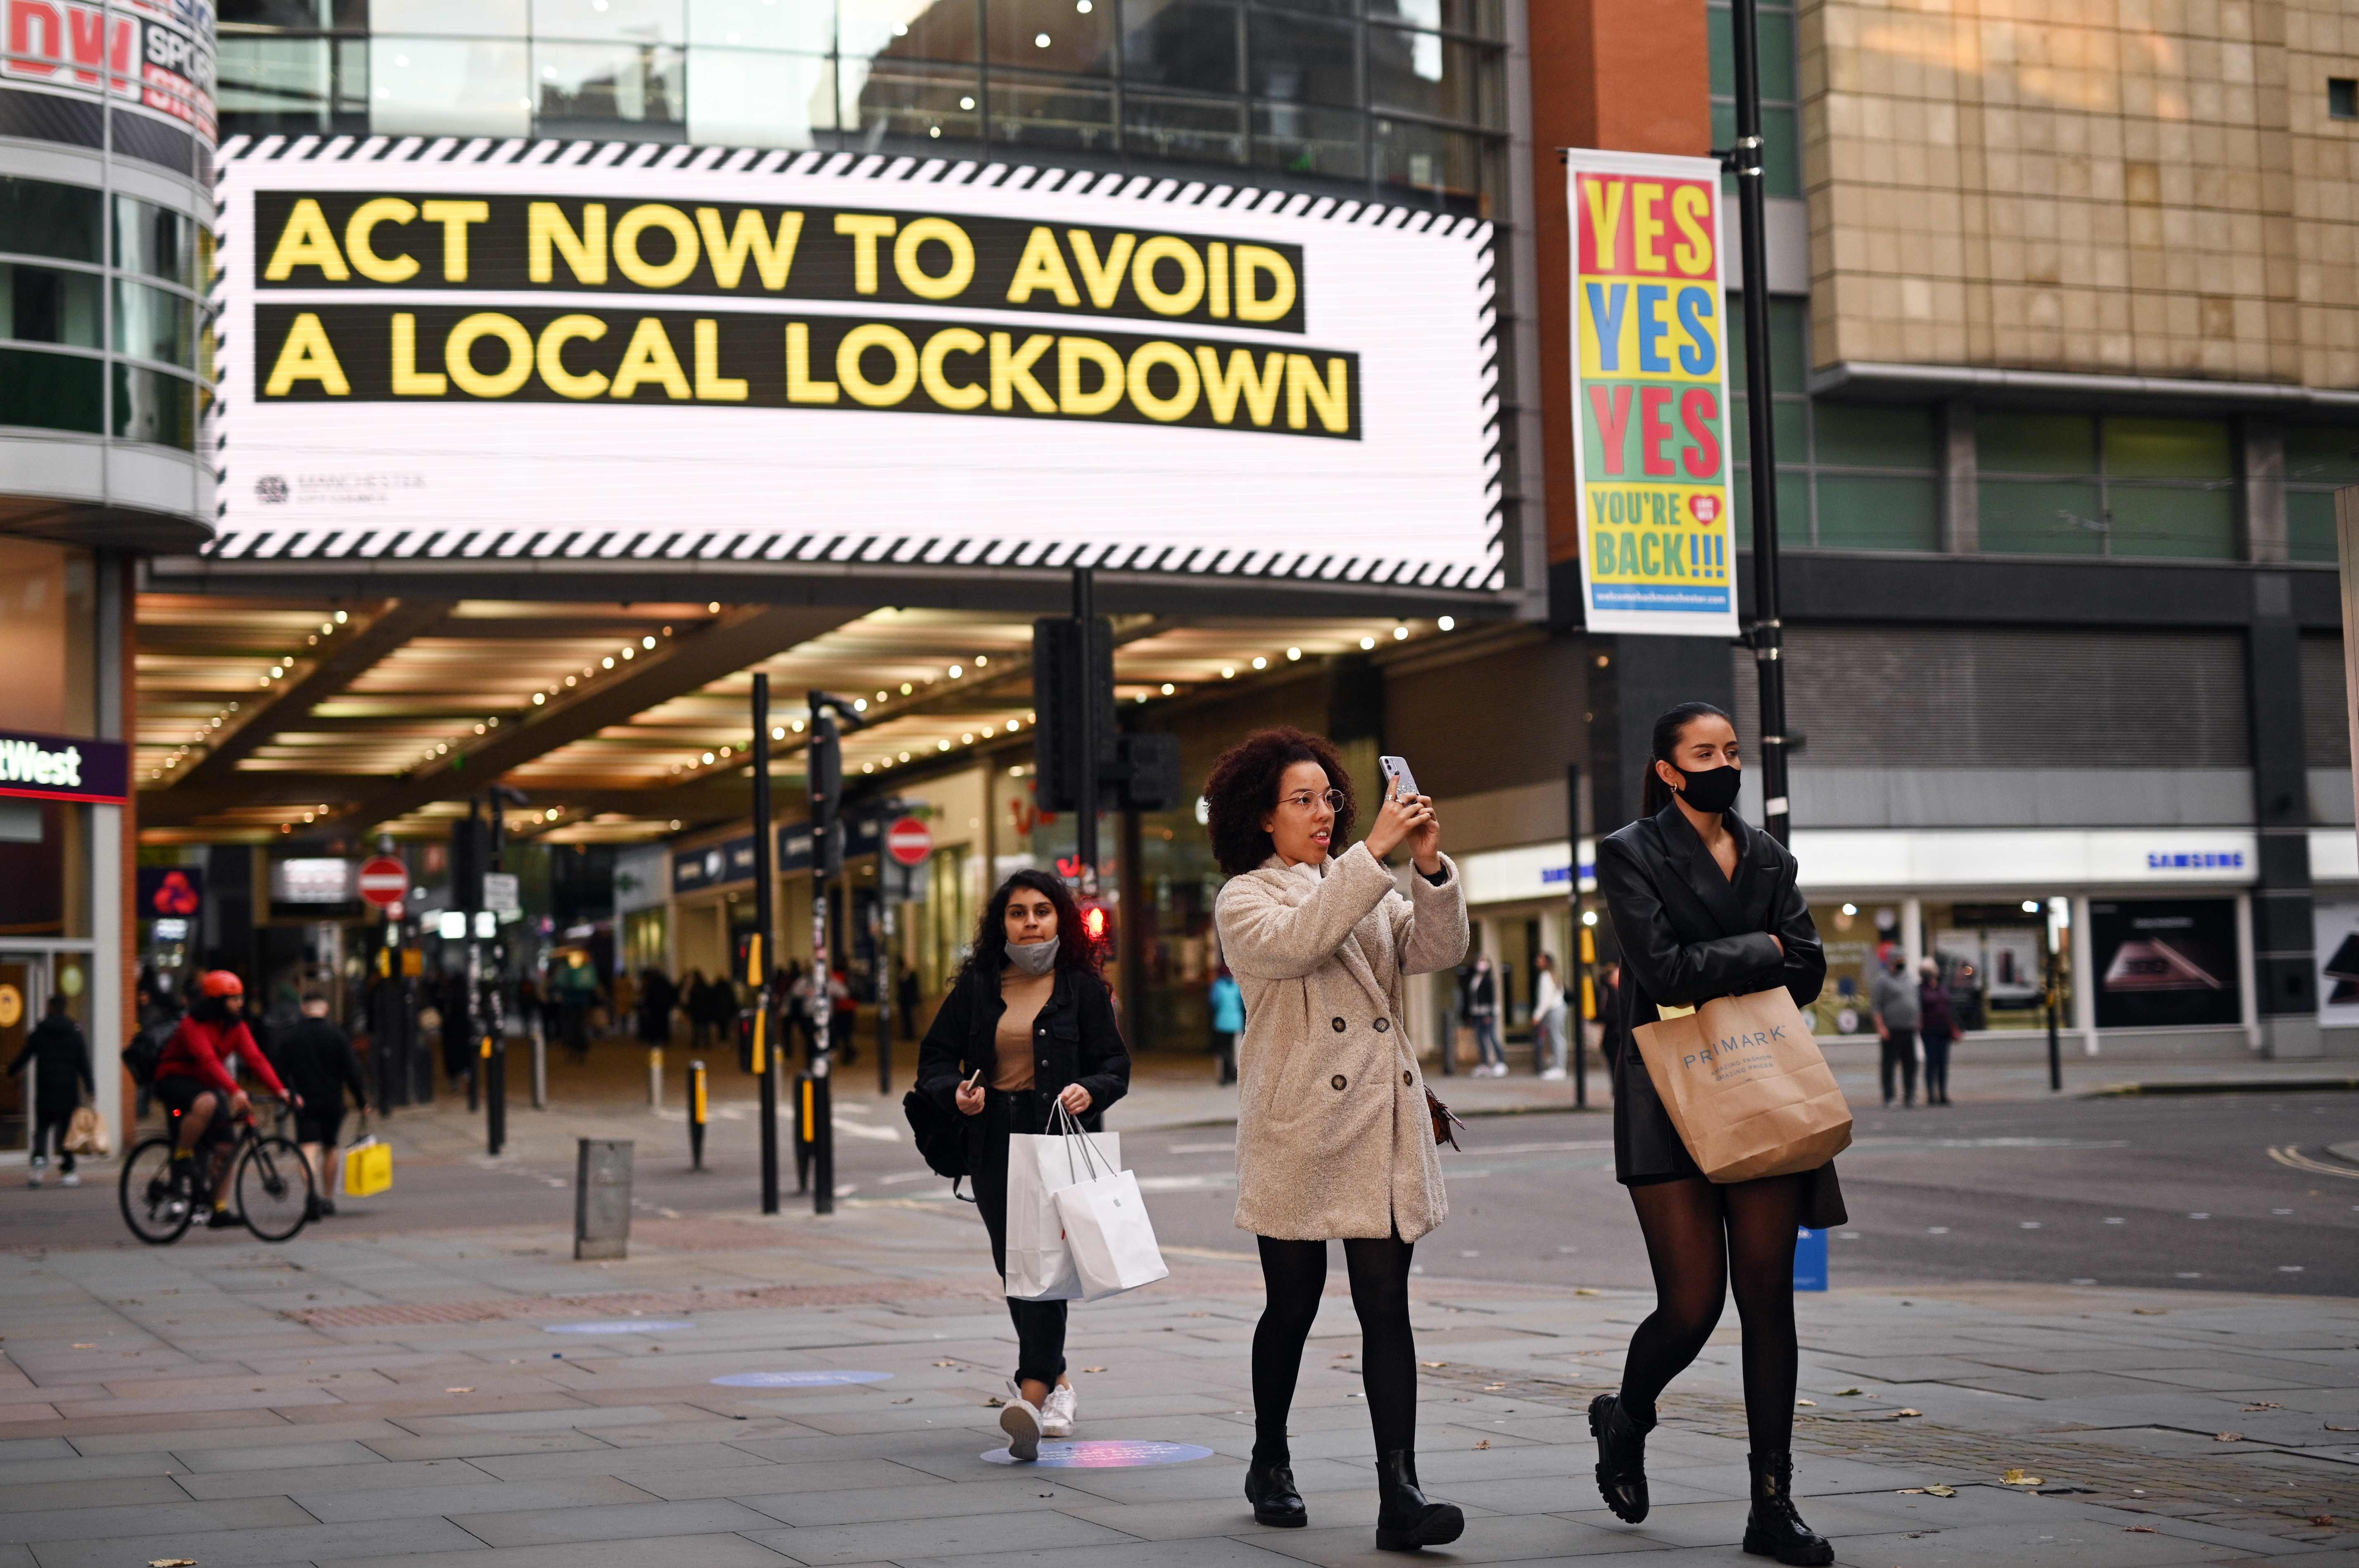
1334,1134
1028,1025
1704,905
1228,1009
60,1058
1548,1019
1937,1027
1482,1016
1894,1001
315,1057
658,996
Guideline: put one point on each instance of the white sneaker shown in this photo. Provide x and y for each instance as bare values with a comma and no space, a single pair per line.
1553,1075
1057,1411
1020,1420
71,1179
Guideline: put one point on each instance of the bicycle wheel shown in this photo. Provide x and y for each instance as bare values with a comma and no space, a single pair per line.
274,1188
156,1214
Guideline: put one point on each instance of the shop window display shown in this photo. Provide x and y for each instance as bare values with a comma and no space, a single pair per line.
1993,958
2166,963
1859,939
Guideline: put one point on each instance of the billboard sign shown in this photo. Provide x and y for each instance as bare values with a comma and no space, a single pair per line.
1651,425
64,59
559,351
2164,963
64,768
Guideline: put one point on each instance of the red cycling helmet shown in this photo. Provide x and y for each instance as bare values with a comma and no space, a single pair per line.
220,983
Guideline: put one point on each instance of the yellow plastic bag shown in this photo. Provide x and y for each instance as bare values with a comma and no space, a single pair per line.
368,1168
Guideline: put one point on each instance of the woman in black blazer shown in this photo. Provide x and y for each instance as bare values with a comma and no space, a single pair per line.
1704,905
1028,1024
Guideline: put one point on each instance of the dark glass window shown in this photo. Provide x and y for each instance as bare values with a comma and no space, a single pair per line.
1075,36
49,304
1183,43
1299,59
39,217
152,406
2075,484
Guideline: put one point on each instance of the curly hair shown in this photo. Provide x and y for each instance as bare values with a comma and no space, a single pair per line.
1075,952
1242,789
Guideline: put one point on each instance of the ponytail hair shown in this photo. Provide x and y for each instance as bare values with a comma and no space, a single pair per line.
1653,793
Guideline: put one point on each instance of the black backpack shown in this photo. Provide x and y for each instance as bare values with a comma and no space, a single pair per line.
941,1139
146,1050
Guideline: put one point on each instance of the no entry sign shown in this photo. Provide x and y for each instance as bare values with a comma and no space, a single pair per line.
384,881
909,841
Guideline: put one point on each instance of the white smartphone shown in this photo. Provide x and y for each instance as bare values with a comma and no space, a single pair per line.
1398,779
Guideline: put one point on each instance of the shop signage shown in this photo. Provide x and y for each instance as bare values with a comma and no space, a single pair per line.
170,890
311,881
56,768
713,867
559,349
64,59
1650,435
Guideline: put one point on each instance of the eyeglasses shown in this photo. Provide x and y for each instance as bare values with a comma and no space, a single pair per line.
1307,801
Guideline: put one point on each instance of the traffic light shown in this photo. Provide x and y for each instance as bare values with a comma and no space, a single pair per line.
1097,923
470,858
1062,679
1149,772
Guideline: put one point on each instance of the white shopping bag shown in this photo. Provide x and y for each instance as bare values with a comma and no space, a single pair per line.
1109,1238
1039,1263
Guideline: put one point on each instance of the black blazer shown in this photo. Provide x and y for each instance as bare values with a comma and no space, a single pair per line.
1687,934
1076,1037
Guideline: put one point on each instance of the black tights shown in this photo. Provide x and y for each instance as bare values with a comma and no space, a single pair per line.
1294,1276
1701,1239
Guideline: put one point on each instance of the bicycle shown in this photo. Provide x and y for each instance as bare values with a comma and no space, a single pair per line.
269,1180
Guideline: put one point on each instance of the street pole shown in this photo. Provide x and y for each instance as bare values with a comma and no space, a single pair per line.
824,761
1744,160
1577,1000
889,874
2055,998
1085,779
766,1063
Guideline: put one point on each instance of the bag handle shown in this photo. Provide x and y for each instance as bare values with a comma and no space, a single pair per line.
1063,1124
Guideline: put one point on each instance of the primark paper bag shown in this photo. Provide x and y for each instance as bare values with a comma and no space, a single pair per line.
1745,1085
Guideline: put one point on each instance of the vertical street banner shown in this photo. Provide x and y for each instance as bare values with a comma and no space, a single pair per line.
1651,423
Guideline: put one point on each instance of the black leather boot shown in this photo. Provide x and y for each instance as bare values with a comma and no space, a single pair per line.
1271,1489
1621,1457
1773,1529
1405,1520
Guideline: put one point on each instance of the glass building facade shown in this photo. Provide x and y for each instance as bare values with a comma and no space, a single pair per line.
1403,97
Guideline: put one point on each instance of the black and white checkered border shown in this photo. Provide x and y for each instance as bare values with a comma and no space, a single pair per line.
497,544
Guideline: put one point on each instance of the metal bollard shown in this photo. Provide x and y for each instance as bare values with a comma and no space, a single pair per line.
696,1115
539,1069
601,1198
655,1077
802,1132
495,1092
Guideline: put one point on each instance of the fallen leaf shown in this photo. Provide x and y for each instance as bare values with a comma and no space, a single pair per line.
171,1563
2262,1405
1093,1368
1583,1290
2149,1311
994,1403
945,1363
2141,1530
2018,1478
85,1347
1433,1363
904,1401
1912,1491
1906,1411
2228,1437
1942,1491
1485,1443
2322,1519
1848,1393
460,1390
1811,1403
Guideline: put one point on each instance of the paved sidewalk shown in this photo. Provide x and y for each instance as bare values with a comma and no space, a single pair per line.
399,1403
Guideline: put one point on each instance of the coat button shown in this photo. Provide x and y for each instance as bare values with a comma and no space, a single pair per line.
1336,1082
1340,1026
1383,1024
1408,1078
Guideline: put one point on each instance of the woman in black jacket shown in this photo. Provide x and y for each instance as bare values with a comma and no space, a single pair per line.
1704,906
60,1058
1028,1024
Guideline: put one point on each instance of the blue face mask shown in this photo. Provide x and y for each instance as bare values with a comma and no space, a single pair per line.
1033,958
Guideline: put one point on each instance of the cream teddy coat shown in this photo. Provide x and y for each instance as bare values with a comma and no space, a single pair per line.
1333,1138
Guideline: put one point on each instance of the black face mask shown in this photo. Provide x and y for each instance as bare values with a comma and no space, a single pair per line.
1713,789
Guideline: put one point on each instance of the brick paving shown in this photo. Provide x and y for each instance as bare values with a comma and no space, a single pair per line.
393,1401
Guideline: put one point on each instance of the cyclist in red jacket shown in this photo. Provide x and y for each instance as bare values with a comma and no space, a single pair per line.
193,1081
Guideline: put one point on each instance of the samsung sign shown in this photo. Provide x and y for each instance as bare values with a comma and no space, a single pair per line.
52,767
559,350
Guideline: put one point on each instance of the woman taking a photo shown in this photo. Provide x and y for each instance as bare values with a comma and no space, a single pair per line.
1028,1025
1704,906
1335,1138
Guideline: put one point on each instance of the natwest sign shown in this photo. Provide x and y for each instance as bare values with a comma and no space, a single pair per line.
53,768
